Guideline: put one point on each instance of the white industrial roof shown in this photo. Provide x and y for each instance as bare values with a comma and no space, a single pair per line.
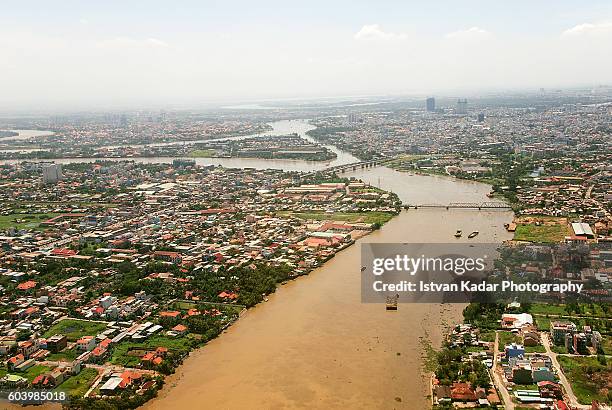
581,228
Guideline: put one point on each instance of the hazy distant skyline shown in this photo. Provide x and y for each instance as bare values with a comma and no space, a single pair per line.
70,54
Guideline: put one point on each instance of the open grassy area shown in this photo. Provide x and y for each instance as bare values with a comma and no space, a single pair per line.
75,329
607,345
79,384
67,355
542,322
409,157
488,336
34,371
525,387
202,153
590,379
24,221
559,349
547,309
535,349
366,217
121,354
542,229
506,338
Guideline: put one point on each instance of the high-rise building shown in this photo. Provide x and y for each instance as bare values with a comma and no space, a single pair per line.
431,104
461,106
52,173
481,117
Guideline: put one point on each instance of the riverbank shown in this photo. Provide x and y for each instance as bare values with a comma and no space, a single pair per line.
314,344
299,127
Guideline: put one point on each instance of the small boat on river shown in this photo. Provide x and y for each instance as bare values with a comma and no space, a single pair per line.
473,234
458,233
392,302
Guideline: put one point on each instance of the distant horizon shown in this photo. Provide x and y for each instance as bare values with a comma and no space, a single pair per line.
66,56
235,103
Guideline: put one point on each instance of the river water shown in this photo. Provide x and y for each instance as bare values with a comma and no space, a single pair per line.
279,128
314,344
26,135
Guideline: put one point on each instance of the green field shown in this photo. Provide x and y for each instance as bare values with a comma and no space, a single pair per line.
588,377
542,322
545,233
607,345
559,349
75,329
525,387
506,338
488,336
121,356
79,384
586,310
24,221
34,371
535,349
202,153
67,355
547,309
365,217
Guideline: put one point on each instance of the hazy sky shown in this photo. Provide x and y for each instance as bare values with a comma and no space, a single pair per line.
84,53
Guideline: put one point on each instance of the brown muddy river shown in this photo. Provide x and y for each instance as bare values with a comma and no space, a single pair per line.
315,345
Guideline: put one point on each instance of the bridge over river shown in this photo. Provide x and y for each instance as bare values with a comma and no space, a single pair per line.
462,205
340,169
354,166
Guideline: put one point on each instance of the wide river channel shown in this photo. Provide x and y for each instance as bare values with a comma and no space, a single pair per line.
314,344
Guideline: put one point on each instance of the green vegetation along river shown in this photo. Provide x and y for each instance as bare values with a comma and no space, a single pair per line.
315,345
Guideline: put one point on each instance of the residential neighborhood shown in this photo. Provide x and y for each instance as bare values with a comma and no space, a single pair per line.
111,275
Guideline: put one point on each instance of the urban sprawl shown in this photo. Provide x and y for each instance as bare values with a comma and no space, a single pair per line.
113,271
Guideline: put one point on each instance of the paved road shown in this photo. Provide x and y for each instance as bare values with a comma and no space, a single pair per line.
566,385
498,379
96,382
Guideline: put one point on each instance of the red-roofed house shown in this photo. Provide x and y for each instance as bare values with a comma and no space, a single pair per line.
128,377
15,361
168,256
30,284
228,295
172,313
148,357
462,392
63,252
